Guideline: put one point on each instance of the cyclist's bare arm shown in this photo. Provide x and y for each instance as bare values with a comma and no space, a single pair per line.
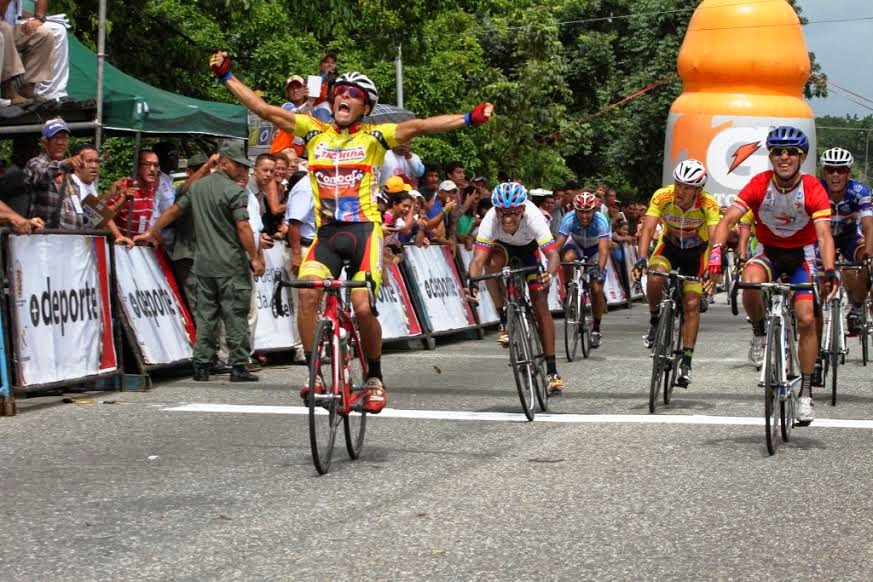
744,235
553,258
560,242
411,128
276,115
730,218
825,243
867,229
650,223
478,263
602,253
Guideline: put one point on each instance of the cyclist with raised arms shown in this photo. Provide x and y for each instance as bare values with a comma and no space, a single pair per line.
792,213
345,158
851,224
514,228
689,216
584,236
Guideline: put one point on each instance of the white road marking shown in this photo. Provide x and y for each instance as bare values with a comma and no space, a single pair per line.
448,355
512,417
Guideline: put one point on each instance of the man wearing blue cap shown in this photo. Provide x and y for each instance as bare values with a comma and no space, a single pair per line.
41,171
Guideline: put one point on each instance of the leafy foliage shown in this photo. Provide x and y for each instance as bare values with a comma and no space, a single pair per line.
551,67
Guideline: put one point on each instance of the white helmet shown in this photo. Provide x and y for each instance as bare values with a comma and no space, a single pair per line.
362,82
691,173
837,157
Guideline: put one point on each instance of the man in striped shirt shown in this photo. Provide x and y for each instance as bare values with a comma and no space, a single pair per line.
136,215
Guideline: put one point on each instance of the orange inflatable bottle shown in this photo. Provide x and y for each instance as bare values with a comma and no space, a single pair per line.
743,66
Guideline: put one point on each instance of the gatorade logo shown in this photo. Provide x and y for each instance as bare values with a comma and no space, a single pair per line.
60,307
742,153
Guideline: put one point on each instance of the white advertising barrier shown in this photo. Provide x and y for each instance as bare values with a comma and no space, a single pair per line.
630,258
439,287
153,307
276,327
62,322
612,288
487,311
396,313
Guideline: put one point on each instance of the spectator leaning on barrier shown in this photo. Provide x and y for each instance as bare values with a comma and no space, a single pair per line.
42,170
441,207
225,258
165,194
63,207
137,213
32,39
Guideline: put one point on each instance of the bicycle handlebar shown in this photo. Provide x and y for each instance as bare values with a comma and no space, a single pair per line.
777,285
673,275
577,264
329,284
506,272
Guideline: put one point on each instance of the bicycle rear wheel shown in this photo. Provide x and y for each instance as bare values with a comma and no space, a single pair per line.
539,367
323,402
771,385
355,423
585,321
520,359
660,353
571,321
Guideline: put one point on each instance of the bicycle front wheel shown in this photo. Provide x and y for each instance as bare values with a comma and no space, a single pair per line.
675,357
355,423
772,377
835,355
660,353
324,397
585,321
571,321
539,367
520,358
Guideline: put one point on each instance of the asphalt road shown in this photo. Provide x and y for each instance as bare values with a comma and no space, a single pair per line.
147,489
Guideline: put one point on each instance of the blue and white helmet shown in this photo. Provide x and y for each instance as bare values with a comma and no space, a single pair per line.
508,195
786,136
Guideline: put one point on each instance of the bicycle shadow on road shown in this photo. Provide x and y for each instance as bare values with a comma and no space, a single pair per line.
797,442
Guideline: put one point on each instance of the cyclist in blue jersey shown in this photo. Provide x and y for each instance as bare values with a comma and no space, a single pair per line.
584,236
851,222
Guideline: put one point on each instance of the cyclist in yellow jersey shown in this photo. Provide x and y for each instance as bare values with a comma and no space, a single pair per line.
345,158
689,216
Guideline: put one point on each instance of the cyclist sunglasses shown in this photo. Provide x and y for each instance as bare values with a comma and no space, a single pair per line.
836,170
792,151
510,212
349,91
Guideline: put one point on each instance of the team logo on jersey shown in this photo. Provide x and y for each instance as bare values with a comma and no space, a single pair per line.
342,178
340,154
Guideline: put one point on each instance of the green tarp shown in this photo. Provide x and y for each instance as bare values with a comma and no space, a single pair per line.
131,105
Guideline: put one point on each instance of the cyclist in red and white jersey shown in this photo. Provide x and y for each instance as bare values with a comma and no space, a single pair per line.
792,213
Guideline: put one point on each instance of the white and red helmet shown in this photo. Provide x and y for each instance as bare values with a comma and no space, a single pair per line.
690,173
585,201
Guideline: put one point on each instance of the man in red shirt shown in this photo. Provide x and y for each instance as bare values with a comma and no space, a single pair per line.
135,215
792,213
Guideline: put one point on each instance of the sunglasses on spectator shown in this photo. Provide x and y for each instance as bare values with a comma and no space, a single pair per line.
350,92
510,211
836,170
792,151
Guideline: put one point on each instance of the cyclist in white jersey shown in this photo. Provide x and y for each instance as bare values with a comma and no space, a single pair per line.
514,228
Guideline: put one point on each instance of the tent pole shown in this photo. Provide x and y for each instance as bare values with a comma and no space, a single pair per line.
137,145
101,58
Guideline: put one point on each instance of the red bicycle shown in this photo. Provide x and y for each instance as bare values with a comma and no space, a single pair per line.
337,370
